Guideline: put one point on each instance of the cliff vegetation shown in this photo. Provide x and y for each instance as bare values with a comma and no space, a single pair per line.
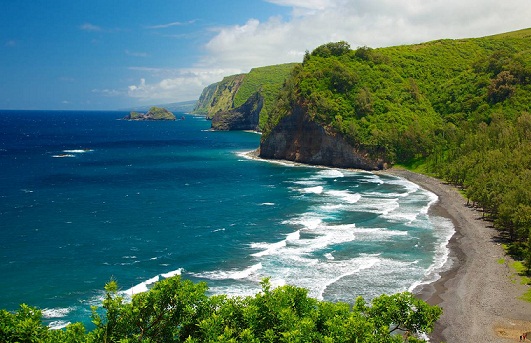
237,97
154,113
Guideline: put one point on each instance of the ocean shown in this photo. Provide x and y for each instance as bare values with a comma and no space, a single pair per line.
86,198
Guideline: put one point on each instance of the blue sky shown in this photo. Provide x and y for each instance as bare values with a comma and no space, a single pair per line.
101,54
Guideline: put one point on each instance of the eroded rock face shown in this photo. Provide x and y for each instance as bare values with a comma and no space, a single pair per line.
245,117
297,138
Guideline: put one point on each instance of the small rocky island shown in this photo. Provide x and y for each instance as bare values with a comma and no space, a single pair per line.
154,113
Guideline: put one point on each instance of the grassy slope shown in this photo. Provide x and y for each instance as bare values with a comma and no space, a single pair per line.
266,80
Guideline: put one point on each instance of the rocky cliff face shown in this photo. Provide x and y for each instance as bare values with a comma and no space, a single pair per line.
245,117
219,96
297,138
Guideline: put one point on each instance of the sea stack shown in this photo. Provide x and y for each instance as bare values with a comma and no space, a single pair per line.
154,113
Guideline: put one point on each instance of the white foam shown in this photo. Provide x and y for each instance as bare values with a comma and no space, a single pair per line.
330,173
445,230
77,151
347,268
63,155
56,312
231,274
308,221
344,195
141,287
172,273
58,324
294,236
269,248
307,182
314,190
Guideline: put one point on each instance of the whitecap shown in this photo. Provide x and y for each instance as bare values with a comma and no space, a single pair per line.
58,324
230,274
445,230
310,190
172,273
56,312
330,173
268,248
141,287
344,195
63,155
77,151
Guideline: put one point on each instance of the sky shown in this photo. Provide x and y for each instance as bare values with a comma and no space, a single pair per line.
115,54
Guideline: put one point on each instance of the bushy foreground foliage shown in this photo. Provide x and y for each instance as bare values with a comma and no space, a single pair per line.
177,310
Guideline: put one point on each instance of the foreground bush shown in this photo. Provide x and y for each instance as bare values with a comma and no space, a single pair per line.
177,310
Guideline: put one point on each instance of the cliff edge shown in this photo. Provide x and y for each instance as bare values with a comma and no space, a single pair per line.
299,139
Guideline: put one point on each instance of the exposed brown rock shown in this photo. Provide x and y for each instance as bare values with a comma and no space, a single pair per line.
299,139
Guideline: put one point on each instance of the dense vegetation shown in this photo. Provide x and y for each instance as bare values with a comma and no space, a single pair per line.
266,81
233,91
177,310
460,108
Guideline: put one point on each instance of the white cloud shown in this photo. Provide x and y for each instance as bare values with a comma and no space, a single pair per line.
90,27
375,23
187,85
175,23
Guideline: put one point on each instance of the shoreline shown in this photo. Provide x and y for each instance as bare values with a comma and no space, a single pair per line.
479,300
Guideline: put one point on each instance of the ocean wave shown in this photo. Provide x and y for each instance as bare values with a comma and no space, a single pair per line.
146,285
63,155
445,230
312,190
56,312
77,151
141,287
172,273
58,324
230,274
345,196
329,173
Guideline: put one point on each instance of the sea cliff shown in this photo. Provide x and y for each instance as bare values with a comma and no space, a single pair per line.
243,101
299,139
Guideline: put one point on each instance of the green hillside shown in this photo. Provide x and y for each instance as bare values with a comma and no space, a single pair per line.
395,101
233,91
267,81
458,108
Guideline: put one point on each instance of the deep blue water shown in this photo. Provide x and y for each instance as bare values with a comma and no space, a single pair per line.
85,197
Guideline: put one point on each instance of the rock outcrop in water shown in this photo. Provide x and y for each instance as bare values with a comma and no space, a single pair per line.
154,113
297,138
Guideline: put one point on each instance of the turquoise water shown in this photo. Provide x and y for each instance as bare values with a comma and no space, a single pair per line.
85,197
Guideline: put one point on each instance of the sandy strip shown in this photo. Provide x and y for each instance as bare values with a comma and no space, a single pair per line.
479,295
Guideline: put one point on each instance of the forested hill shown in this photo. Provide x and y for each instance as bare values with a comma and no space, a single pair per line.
396,103
458,108
227,97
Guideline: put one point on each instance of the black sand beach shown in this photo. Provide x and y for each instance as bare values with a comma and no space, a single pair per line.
479,295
